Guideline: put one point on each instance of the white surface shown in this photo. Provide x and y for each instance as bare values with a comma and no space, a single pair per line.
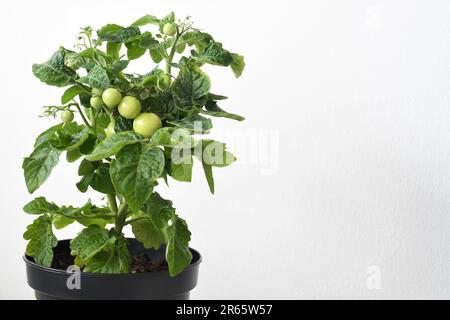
358,94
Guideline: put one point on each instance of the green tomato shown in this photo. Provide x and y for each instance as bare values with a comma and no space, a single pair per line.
129,107
164,82
169,29
67,116
146,124
111,97
110,129
97,91
96,102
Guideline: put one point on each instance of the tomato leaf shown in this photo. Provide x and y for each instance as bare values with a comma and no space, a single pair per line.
146,232
238,64
41,240
112,144
134,51
195,123
101,180
134,172
46,135
40,205
191,87
115,260
147,19
214,54
54,72
178,254
212,109
90,241
96,78
71,93
115,33
38,166
69,137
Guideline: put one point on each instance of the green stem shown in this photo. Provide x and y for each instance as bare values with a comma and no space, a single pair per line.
92,116
172,54
135,219
86,122
121,216
112,203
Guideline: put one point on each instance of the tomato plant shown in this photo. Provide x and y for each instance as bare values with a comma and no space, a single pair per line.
132,130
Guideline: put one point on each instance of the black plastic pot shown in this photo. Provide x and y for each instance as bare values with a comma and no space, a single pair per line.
51,284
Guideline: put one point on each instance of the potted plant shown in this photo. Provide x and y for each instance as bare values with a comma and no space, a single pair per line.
135,131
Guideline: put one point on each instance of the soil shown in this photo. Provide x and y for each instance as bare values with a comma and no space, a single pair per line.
141,263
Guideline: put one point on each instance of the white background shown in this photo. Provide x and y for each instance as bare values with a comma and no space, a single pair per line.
357,93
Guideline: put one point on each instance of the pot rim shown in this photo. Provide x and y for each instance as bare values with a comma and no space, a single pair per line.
195,262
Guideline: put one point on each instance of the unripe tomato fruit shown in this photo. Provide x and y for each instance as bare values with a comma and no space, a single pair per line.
164,82
67,116
96,102
97,91
146,124
129,107
111,97
110,129
169,29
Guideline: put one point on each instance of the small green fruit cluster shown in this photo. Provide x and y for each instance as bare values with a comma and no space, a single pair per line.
130,108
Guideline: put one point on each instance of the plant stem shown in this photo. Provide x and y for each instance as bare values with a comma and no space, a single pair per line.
112,203
121,216
86,122
134,220
172,54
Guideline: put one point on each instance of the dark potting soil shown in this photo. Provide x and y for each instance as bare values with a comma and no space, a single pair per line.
141,263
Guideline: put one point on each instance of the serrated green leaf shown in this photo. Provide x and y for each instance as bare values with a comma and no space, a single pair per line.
115,260
40,205
178,254
171,138
146,232
214,54
86,167
195,123
134,171
84,182
120,65
212,109
71,93
134,50
54,72
115,33
96,78
156,54
90,241
46,135
147,19
69,137
191,87
113,144
207,169
41,240
73,155
60,222
38,166
238,64
101,180
214,153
